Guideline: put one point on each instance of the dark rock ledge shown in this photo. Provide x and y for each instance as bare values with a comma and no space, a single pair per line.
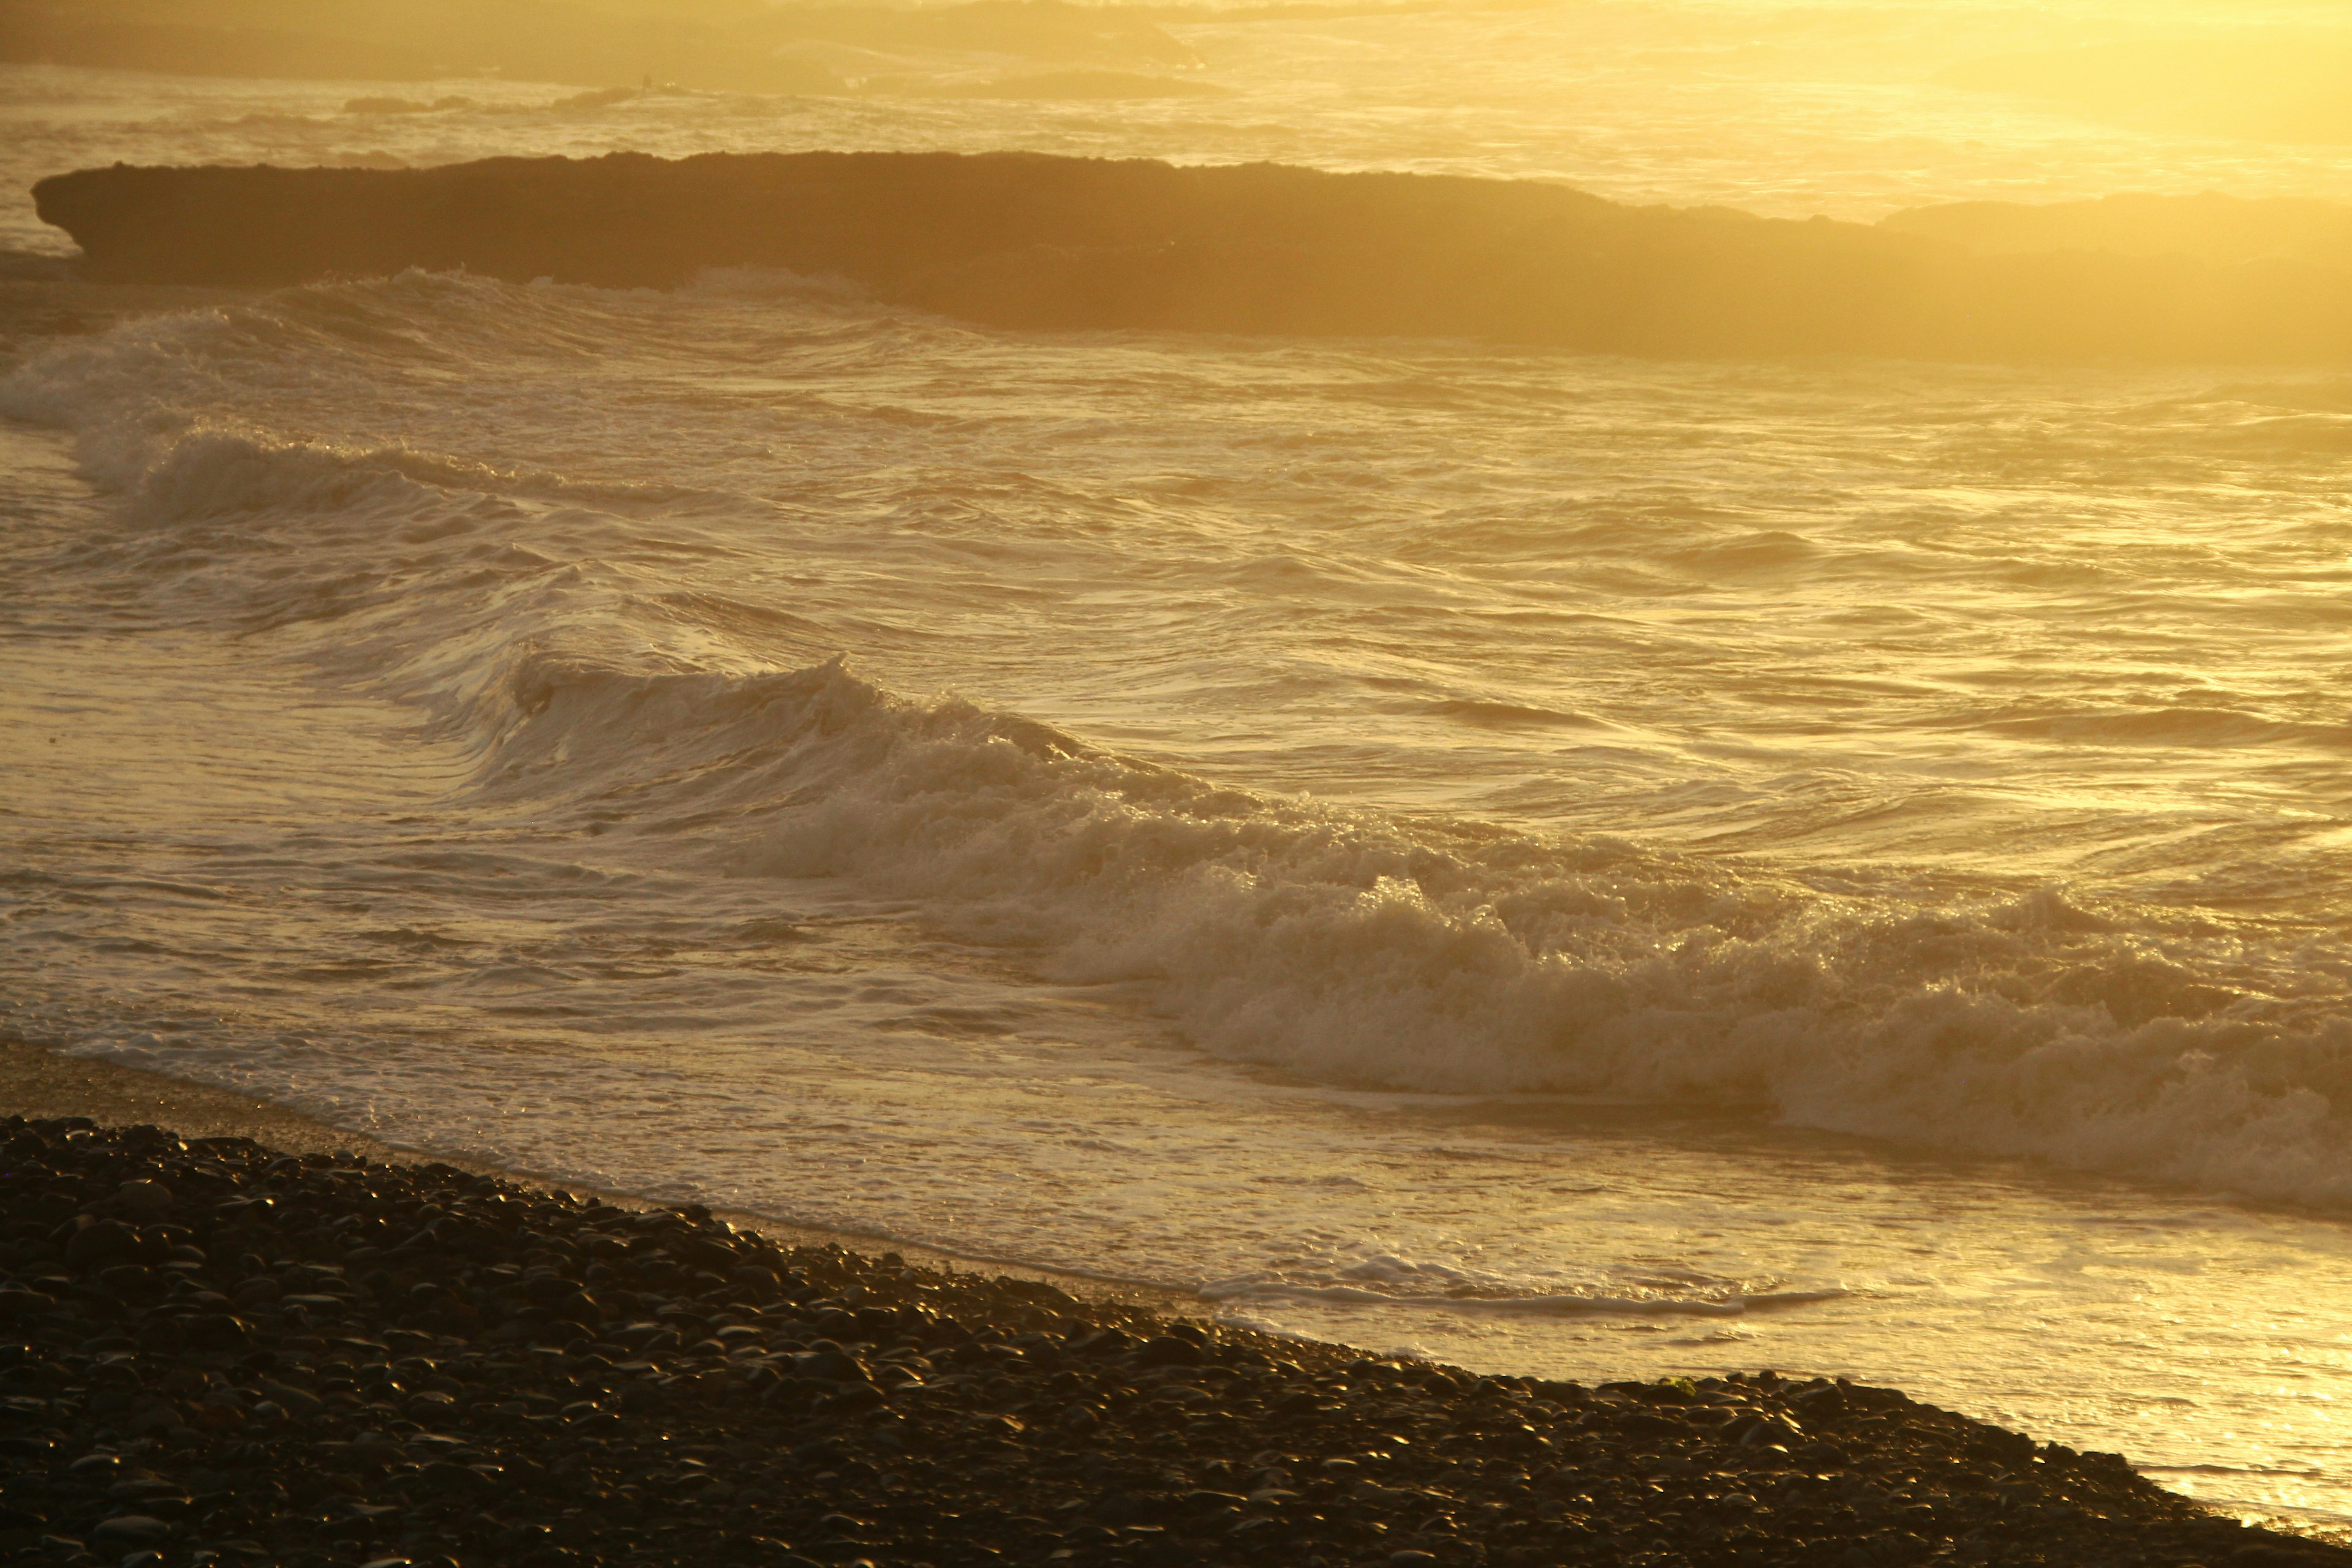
1034,242
210,1353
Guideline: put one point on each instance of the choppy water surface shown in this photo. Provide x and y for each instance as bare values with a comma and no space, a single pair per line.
1572,865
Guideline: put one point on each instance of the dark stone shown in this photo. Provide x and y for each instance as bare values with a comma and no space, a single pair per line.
216,1332
104,1241
147,1198
126,1280
162,1336
1036,242
1032,1427
17,1302
129,1532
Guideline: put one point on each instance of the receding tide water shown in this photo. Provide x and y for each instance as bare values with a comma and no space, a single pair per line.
1573,865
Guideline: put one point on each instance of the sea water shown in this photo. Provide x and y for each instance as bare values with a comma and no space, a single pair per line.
1573,865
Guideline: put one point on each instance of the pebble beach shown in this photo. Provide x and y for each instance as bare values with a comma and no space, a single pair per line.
1310,784
216,1352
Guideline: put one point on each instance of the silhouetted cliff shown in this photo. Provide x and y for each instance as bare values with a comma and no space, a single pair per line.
2216,229
1025,240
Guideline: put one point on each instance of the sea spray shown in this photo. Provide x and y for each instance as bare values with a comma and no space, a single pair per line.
522,611
1353,949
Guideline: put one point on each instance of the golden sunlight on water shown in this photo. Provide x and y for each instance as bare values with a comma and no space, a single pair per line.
1631,863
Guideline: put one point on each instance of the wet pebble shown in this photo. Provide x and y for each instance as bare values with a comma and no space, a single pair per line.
215,1353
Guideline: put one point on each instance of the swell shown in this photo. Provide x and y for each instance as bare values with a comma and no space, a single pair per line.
1448,956
1341,946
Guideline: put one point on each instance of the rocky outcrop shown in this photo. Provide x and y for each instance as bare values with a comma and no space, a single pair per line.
1029,241
2223,230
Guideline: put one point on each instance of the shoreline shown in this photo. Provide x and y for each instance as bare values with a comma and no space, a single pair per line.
36,1082
467,1367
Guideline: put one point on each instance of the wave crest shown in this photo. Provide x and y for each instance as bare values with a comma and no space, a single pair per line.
1341,946
1352,949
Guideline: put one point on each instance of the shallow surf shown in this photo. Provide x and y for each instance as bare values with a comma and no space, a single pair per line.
1582,867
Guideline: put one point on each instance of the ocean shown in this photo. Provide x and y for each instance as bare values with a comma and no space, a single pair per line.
1573,865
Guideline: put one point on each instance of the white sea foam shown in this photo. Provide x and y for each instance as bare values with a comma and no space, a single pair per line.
1352,949
1247,1293
434,725
1344,945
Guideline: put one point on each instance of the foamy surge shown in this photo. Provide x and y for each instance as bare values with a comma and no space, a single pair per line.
1345,946
1350,949
434,725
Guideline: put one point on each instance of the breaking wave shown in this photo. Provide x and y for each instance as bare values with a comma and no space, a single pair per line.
1348,948
1341,946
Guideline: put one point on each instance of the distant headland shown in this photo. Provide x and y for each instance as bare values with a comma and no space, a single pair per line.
1030,241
